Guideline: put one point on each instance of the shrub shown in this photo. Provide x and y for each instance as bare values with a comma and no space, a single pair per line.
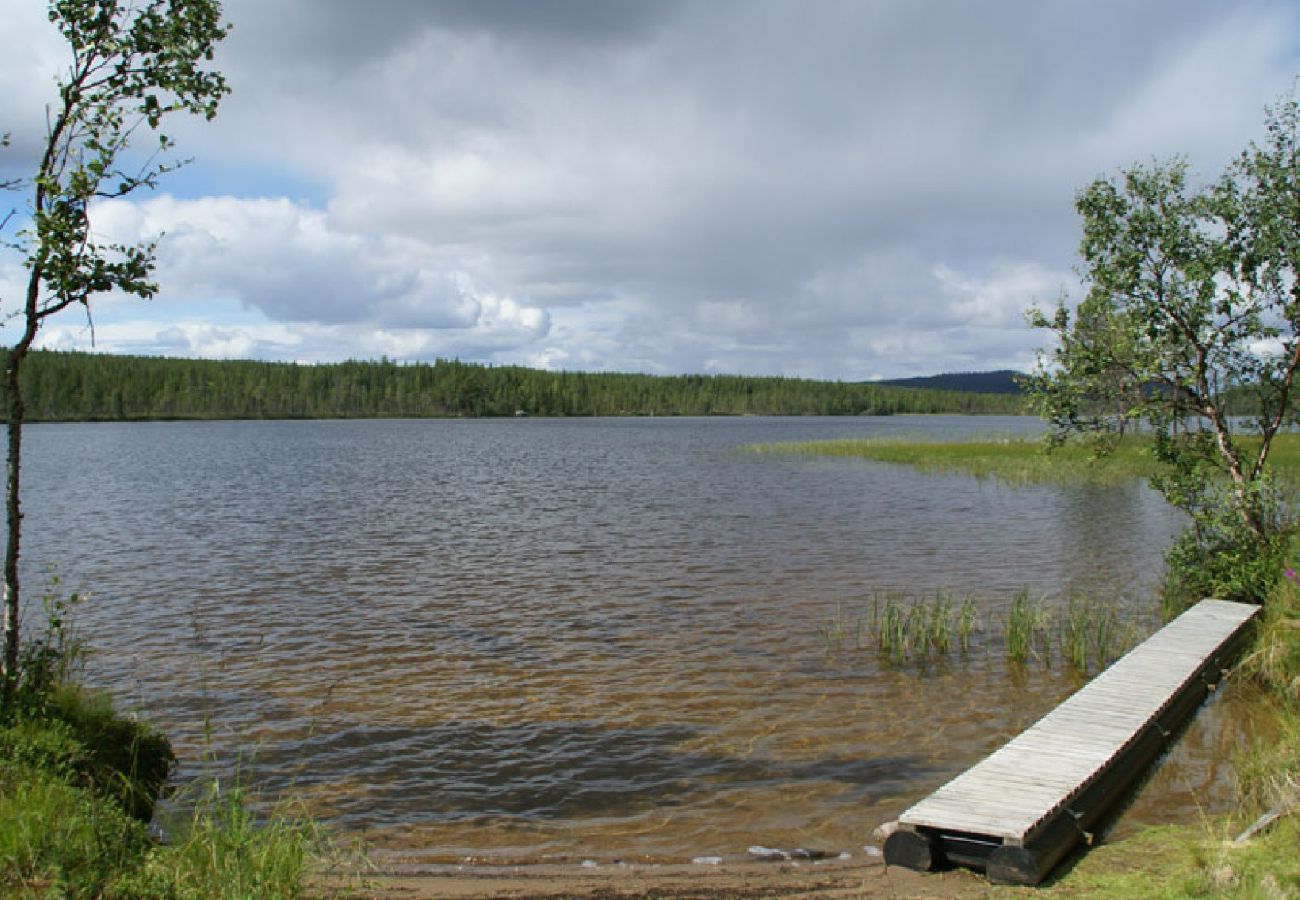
1218,555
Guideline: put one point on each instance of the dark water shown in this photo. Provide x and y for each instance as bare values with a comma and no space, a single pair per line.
552,638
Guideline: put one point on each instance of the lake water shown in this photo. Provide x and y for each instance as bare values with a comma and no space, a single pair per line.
565,639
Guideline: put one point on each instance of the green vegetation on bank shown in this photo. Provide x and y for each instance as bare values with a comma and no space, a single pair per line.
1011,460
61,386
1021,461
1222,857
78,784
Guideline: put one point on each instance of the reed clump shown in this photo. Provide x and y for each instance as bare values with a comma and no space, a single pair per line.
904,628
1085,632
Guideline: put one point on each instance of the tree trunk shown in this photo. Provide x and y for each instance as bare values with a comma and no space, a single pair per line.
13,520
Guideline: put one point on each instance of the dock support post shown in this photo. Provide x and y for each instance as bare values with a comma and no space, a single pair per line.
912,850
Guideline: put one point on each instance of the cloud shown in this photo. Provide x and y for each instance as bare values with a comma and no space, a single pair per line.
293,264
742,185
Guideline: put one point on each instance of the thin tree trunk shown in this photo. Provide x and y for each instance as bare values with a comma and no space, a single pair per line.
17,412
13,520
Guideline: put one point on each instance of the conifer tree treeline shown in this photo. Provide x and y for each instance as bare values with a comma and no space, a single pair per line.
63,386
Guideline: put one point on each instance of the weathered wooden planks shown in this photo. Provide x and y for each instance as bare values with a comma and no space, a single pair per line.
1022,808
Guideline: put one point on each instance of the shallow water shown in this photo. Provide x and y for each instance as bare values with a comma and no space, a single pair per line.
534,638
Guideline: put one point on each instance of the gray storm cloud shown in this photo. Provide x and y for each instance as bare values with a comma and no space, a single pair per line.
842,189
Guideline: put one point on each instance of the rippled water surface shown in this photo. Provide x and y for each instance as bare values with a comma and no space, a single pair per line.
560,638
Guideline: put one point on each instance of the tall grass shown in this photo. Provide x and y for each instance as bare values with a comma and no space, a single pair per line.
78,782
905,628
222,850
1021,461
1088,633
1024,626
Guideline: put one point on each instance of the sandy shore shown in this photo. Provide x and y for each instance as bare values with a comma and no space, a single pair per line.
863,877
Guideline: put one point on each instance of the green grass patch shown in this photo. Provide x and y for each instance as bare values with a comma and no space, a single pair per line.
57,838
1188,861
1019,461
78,782
221,850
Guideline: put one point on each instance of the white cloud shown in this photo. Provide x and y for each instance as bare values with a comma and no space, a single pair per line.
292,264
1000,299
838,190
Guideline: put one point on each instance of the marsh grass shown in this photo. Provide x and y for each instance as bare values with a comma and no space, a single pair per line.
965,622
1022,461
1091,634
1025,627
1087,633
904,628
917,628
1016,461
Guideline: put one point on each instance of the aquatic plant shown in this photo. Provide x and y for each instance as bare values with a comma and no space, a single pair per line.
833,631
1027,625
965,622
1086,631
893,631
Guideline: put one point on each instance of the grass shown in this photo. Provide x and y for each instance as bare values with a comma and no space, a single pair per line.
1019,461
78,785
920,628
222,850
1087,633
76,782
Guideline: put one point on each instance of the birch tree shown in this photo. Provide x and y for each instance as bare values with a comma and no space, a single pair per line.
1191,327
131,67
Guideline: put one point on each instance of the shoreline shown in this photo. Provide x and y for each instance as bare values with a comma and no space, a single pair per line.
832,878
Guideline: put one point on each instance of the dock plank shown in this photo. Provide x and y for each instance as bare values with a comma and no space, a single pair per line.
1026,787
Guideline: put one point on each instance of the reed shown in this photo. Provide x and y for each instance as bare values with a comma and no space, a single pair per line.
1092,634
1026,629
918,628
1076,633
965,622
1087,633
940,631
893,631
833,631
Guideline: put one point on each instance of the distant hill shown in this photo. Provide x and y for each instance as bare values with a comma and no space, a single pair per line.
999,382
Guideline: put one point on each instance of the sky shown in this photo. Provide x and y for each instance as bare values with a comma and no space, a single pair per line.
832,189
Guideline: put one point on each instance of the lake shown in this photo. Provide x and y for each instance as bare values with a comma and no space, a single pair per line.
565,639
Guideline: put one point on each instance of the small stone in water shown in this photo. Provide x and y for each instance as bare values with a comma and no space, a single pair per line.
590,864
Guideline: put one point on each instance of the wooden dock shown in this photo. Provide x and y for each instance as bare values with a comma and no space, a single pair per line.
1017,813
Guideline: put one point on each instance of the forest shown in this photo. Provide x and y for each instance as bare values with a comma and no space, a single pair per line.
73,386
